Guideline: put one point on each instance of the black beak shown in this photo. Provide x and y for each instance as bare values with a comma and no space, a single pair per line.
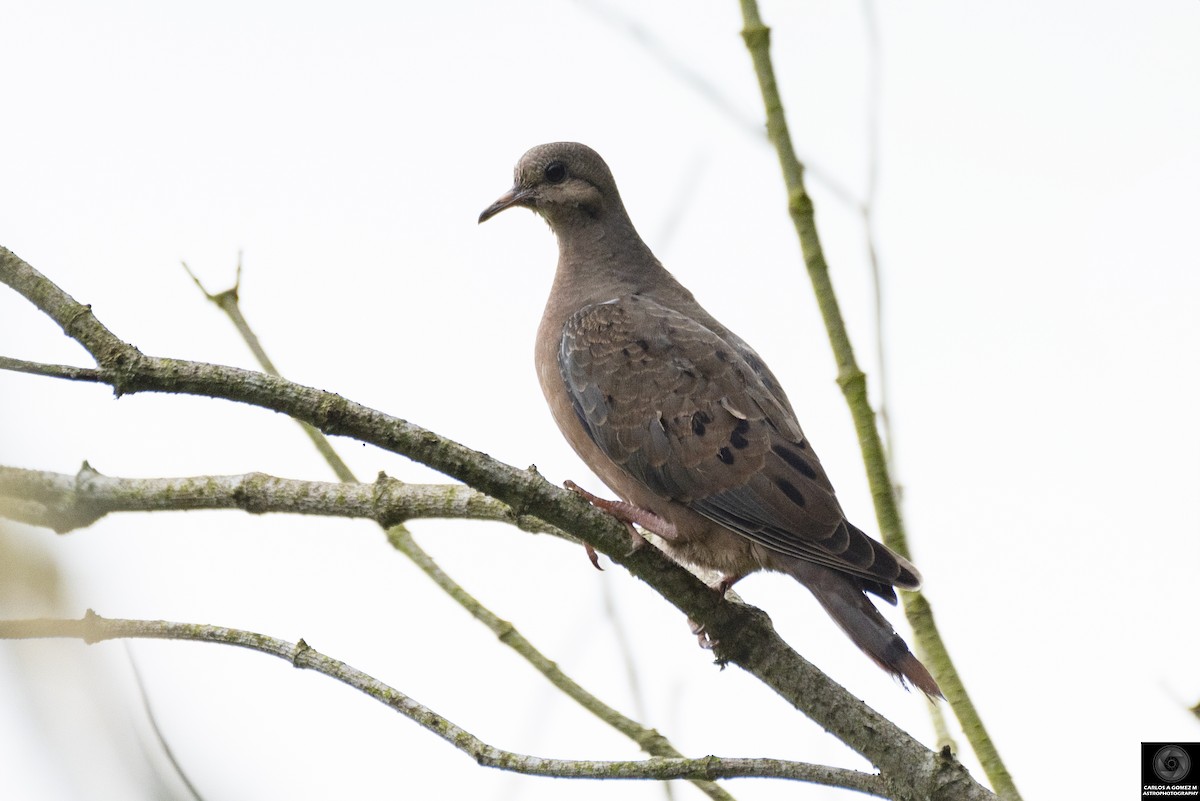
513,197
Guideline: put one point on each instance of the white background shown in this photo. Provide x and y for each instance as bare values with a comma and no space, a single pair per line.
1036,221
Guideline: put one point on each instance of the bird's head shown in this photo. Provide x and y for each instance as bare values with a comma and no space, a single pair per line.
565,182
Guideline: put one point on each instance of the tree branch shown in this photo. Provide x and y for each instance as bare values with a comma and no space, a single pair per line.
64,502
909,770
70,373
649,740
92,628
854,387
402,540
227,302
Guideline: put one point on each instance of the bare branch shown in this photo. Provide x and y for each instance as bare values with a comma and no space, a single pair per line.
64,502
69,372
92,628
649,740
401,539
854,387
746,636
227,302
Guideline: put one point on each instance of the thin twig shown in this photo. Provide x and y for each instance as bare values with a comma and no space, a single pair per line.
66,371
873,104
705,89
648,739
854,387
93,628
227,302
158,734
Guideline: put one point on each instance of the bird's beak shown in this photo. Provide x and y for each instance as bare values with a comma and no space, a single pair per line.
513,197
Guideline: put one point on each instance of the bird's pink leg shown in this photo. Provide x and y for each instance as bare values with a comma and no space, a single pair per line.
627,513
636,540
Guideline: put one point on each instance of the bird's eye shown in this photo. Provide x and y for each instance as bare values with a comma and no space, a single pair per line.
555,172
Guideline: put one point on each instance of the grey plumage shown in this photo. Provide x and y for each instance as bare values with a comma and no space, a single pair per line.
681,418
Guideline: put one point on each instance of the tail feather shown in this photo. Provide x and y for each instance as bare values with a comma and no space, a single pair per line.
843,598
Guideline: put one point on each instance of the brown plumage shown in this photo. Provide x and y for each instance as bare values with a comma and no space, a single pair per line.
681,418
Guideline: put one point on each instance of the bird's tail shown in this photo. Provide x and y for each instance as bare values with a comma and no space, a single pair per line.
843,598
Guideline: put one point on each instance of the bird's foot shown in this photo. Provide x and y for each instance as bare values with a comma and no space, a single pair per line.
720,588
702,638
628,514
636,539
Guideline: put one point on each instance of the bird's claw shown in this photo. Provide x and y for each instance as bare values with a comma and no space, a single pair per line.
702,638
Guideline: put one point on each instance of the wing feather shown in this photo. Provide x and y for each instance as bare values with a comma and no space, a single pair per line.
698,418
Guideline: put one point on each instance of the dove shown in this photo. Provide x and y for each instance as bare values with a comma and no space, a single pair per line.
684,421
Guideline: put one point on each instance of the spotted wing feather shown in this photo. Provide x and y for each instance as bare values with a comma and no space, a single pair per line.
697,418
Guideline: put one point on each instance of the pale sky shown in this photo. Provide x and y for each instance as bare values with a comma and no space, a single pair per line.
1035,221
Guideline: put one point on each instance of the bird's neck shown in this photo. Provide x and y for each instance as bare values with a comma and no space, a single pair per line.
603,259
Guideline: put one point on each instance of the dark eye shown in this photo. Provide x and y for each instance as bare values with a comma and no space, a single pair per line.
555,172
